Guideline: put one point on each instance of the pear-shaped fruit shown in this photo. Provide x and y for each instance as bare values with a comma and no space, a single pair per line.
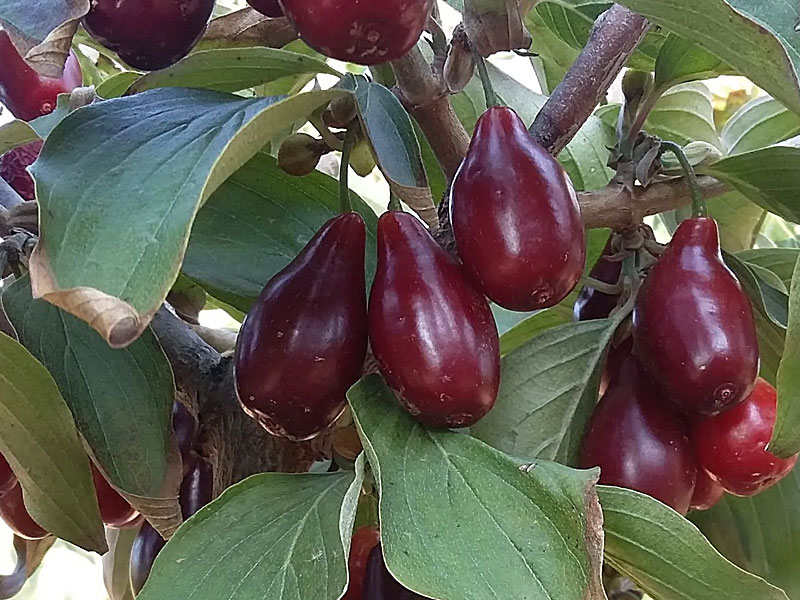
639,442
115,511
146,547
14,168
16,516
184,425
516,217
432,333
693,326
366,32
364,540
591,303
197,488
304,341
269,8
732,446
7,478
379,583
26,93
707,492
148,34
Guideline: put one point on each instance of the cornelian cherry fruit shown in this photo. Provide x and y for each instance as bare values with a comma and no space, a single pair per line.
7,478
364,540
14,168
591,303
146,547
304,342
197,488
23,91
379,583
732,446
16,516
115,511
693,327
432,332
148,34
639,442
516,217
367,32
269,8
707,492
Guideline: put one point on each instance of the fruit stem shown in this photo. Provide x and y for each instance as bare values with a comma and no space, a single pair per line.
345,205
486,81
394,201
630,276
610,289
699,208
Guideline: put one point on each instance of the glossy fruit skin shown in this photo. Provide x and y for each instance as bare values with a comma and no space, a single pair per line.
379,583
693,326
114,509
732,446
146,546
639,442
197,488
615,358
16,516
14,165
25,93
592,304
269,8
304,342
707,492
7,478
148,34
364,540
365,32
516,217
184,425
431,331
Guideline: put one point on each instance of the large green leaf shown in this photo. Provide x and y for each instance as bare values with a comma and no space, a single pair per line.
232,69
680,60
528,328
555,56
780,261
35,20
444,494
121,399
761,122
256,223
276,536
40,442
147,161
668,556
761,47
761,533
738,219
547,392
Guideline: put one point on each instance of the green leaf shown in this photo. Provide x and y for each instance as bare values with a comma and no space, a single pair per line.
684,114
770,302
121,399
785,440
555,55
232,69
738,218
442,492
760,534
116,85
756,47
548,390
148,161
761,122
680,60
14,134
667,556
40,442
275,536
273,215
780,261
530,327
35,20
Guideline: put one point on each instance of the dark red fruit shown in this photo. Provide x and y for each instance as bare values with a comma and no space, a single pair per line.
732,446
366,32
146,546
592,304
364,540
16,516
197,488
14,168
693,327
270,8
26,93
304,342
616,357
185,427
379,583
148,34
432,333
114,509
707,492
7,478
516,217
639,442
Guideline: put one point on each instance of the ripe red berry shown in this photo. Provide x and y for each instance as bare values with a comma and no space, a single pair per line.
148,34
639,442
304,341
146,547
592,304
515,217
269,8
7,478
693,327
366,32
185,427
732,446
432,333
23,91
197,488
14,168
707,492
114,509
16,516
379,583
364,540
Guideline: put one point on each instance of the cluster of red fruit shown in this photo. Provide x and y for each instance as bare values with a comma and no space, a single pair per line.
683,417
431,330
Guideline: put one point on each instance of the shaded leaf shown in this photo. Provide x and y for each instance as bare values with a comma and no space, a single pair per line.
680,60
780,261
760,123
